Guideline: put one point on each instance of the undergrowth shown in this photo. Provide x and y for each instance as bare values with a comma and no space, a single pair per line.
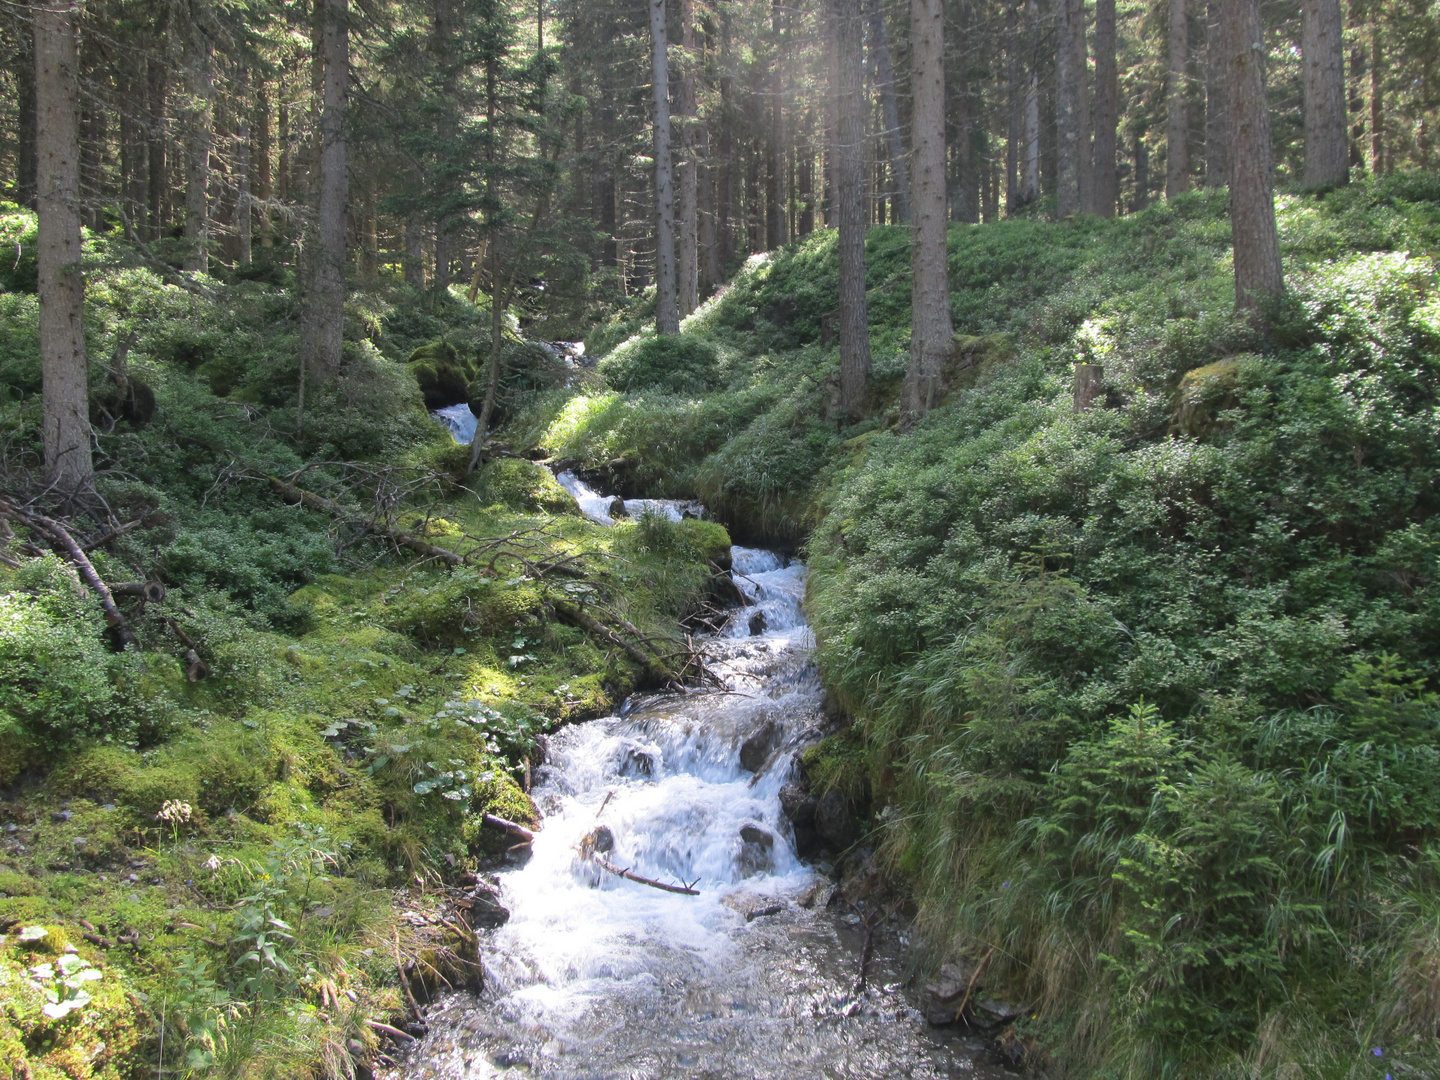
1144,697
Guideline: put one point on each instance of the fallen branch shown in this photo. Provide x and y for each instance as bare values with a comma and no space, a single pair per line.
970,987
151,591
311,501
388,1030
405,979
629,876
573,614
510,827
77,558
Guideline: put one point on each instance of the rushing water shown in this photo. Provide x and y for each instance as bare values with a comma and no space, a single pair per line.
599,978
597,507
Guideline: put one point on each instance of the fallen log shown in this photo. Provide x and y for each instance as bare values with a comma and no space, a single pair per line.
311,501
388,1030
151,591
511,827
610,867
573,614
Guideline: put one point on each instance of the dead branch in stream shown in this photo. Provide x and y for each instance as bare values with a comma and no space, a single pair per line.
628,875
511,827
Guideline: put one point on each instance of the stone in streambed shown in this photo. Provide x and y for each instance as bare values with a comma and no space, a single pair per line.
757,850
798,805
756,749
758,624
835,820
616,509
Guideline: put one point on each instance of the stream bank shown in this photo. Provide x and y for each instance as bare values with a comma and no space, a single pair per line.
756,976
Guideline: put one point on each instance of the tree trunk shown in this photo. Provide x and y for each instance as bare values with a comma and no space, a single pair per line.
667,316
264,185
198,120
158,166
441,280
1013,108
688,265
244,214
1217,100
930,328
725,197
847,156
1258,274
25,160
1327,152
64,371
369,265
1067,108
325,310
776,227
1177,130
1030,173
1377,100
414,250
890,114
1141,197
1107,110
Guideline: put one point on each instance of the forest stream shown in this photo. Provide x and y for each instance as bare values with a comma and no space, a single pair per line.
756,976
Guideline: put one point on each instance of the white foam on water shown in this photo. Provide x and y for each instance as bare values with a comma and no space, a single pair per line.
459,420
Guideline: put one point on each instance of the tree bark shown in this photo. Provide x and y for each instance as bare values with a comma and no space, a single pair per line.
725,196
776,226
1107,110
64,371
930,327
1141,197
667,316
1377,100
325,310
1258,273
890,114
847,156
264,188
1013,108
244,213
414,251
688,265
1177,129
1030,172
25,135
1217,100
1327,151
1067,107
198,121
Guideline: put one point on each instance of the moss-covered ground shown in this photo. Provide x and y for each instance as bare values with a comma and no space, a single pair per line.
222,847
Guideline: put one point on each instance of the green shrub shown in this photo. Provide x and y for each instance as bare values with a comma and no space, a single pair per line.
674,364
55,669
522,485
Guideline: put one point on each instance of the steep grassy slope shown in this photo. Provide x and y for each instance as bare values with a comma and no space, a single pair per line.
1144,697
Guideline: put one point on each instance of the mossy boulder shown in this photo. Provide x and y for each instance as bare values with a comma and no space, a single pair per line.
522,485
1206,392
442,374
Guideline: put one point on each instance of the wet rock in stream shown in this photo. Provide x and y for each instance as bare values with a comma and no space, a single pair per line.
755,750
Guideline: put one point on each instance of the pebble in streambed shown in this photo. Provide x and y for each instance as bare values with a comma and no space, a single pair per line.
595,977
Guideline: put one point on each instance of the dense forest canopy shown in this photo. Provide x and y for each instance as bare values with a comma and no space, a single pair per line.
1085,352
